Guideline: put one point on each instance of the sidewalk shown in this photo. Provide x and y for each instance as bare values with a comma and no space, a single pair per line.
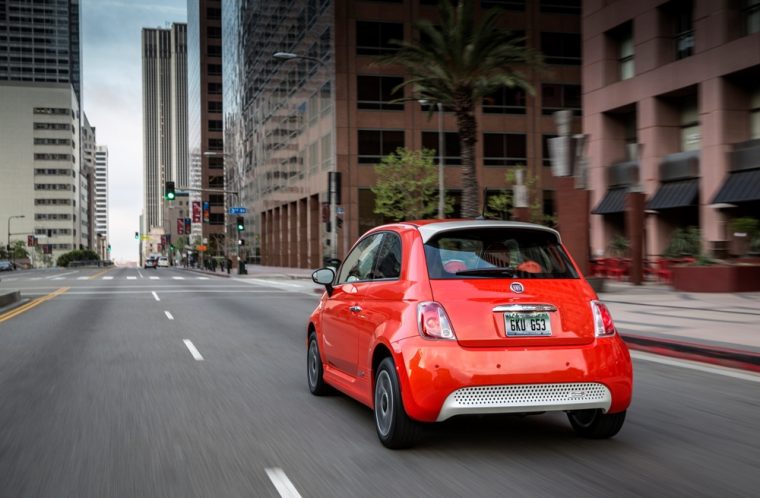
722,329
716,328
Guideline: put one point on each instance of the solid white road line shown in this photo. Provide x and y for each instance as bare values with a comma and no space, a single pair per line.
155,295
131,278
693,365
193,350
282,483
168,315
58,277
269,282
108,277
178,278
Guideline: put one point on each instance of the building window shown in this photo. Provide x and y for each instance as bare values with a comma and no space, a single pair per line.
546,156
325,97
215,144
690,132
216,199
214,32
216,219
558,97
213,14
53,157
216,162
504,149
561,48
452,146
214,50
214,107
375,144
214,88
374,38
55,111
561,6
326,146
505,101
751,15
215,125
502,4
622,39
375,92
214,70
754,115
216,181
313,158
324,45
677,16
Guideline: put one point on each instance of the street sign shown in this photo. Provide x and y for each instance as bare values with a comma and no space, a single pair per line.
237,210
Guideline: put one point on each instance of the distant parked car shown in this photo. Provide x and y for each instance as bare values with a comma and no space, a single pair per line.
163,262
6,265
151,262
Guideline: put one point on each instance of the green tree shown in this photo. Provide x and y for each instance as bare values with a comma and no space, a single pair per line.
501,205
18,250
458,62
406,187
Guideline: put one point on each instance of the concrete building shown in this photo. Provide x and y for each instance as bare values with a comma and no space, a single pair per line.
87,183
40,166
40,42
290,123
206,152
672,109
164,90
101,201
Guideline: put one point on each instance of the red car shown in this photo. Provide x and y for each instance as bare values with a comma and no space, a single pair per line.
426,320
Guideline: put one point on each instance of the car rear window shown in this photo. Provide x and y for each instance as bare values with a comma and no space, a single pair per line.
497,252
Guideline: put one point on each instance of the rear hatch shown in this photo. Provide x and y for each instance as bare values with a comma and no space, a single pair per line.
509,287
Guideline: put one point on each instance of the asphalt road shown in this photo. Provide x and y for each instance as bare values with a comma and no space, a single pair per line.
101,395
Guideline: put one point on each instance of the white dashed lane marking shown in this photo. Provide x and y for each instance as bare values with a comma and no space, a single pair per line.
193,350
282,483
169,315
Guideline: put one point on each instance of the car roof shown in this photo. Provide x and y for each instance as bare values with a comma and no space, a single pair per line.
430,228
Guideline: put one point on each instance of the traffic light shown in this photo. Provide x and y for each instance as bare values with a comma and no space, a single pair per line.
137,235
169,193
171,246
240,224
241,242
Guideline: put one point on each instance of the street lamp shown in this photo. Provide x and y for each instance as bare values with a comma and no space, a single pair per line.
12,254
332,181
441,153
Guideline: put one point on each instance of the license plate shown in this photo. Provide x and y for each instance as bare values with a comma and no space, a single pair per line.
527,324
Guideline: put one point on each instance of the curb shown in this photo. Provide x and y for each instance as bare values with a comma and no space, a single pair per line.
9,297
732,358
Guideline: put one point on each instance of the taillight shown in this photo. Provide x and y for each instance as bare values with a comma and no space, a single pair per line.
603,324
433,322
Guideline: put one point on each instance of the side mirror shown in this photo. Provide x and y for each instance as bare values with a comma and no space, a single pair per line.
326,277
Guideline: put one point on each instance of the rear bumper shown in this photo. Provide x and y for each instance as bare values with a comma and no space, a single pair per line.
440,379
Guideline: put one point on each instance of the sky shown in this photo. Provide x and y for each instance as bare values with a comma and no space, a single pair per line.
112,96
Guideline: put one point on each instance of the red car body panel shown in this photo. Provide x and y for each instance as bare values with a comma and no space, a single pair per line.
429,369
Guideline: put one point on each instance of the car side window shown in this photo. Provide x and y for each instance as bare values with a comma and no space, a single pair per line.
360,262
389,258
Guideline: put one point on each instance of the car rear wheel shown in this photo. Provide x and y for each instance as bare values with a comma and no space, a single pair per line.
394,427
317,384
594,424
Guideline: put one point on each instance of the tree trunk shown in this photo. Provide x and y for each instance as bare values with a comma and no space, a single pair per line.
468,135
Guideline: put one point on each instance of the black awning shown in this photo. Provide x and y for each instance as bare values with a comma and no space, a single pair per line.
681,193
740,186
613,202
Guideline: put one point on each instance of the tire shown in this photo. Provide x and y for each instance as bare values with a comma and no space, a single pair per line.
593,424
394,427
316,382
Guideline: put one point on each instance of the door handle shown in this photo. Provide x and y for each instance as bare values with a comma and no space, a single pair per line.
355,309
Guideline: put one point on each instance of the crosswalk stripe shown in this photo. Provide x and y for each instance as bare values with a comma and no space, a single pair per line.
59,278
202,278
110,277
83,278
154,278
178,278
131,278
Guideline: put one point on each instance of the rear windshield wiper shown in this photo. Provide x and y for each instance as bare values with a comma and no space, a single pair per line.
497,270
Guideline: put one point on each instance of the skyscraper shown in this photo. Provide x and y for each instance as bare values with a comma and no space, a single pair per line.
164,73
40,42
44,191
204,54
101,197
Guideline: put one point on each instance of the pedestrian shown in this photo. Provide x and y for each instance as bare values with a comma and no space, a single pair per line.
229,265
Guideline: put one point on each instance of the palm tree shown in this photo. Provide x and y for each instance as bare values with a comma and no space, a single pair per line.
459,62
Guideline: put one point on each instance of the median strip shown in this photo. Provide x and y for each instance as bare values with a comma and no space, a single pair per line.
31,304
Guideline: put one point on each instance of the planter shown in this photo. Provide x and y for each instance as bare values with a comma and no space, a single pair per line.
716,278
